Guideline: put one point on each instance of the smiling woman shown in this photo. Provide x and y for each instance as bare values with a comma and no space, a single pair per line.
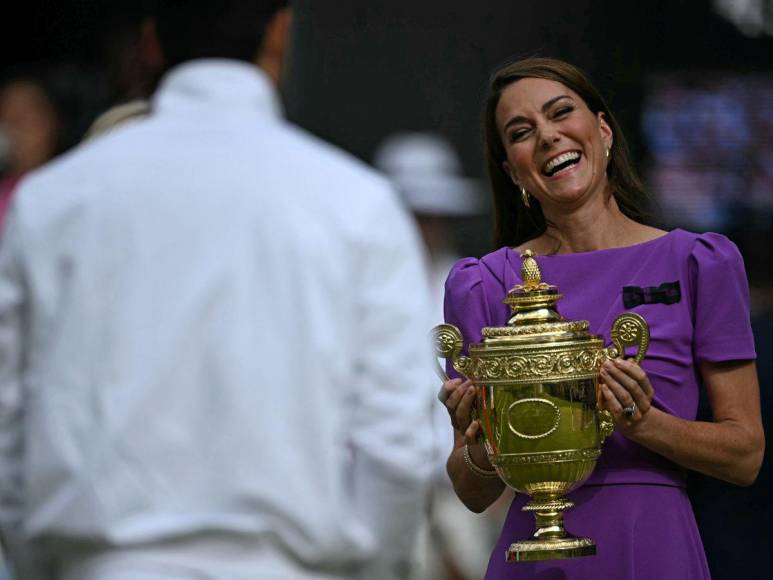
560,98
564,188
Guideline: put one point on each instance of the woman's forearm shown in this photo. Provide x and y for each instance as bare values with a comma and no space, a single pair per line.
476,490
477,493
727,449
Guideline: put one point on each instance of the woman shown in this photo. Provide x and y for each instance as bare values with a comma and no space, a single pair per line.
564,188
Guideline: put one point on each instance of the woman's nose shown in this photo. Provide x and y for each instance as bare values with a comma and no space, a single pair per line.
547,137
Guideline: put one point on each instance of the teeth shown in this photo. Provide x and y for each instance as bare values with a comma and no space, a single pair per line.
563,158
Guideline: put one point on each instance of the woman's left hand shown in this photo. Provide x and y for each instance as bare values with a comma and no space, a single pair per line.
626,392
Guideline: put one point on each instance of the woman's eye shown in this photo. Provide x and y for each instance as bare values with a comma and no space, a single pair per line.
562,112
518,135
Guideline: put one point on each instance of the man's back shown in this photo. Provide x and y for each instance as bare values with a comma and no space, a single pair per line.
224,342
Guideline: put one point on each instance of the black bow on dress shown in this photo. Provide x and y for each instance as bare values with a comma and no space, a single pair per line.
666,293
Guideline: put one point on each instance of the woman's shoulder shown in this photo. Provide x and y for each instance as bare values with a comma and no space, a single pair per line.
475,268
710,262
471,272
681,245
706,246
474,291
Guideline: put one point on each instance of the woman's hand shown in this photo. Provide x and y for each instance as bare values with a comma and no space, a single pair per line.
730,447
458,396
476,492
626,392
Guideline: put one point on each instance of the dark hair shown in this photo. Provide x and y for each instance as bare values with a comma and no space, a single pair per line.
514,223
190,29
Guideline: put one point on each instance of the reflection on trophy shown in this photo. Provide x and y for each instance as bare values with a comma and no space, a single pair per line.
537,379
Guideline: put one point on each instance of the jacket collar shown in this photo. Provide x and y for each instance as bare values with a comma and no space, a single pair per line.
230,84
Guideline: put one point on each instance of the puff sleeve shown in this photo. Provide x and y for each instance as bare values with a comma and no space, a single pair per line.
720,295
465,304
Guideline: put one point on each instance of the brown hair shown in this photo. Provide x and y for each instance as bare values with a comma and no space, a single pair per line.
514,223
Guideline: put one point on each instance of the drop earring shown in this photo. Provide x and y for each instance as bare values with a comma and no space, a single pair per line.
525,196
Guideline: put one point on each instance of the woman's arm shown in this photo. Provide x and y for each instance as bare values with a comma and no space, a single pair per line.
475,491
729,448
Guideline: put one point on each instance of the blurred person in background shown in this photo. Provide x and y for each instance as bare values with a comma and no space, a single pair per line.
454,542
565,188
426,171
30,135
30,132
213,354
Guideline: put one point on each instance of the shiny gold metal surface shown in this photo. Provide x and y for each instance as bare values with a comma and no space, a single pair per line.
537,380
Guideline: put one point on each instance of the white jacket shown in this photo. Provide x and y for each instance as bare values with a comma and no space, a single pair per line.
213,357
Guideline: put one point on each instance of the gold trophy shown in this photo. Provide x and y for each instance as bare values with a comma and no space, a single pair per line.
537,380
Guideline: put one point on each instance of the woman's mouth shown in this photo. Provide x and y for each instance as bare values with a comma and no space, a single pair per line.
561,163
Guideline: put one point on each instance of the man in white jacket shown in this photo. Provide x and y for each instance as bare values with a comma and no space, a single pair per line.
213,354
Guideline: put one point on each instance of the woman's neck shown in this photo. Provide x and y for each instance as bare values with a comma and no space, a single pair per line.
597,226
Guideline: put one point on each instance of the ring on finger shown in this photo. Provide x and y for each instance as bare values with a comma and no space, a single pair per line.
630,410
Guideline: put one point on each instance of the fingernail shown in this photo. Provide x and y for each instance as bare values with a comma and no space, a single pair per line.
470,390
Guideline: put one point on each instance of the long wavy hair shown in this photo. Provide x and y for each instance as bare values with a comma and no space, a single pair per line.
514,223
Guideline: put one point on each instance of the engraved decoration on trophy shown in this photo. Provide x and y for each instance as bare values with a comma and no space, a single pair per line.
537,380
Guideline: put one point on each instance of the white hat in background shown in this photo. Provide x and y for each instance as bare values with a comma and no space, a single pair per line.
426,170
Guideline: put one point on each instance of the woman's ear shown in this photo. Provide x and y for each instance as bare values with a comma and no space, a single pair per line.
606,131
507,168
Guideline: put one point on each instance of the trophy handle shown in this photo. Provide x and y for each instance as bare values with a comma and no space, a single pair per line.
629,329
448,343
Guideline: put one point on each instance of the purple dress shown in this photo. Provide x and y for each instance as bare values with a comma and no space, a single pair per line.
692,290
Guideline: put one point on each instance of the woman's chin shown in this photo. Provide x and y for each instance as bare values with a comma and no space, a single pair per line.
573,192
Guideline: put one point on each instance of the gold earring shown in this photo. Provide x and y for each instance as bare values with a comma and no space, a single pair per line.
524,196
607,152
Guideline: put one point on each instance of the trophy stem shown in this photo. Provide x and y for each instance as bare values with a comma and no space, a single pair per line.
551,541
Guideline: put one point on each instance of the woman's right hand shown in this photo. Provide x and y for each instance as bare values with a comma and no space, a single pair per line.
458,396
476,492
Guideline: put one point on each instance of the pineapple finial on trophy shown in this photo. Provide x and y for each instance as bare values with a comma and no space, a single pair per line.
532,300
530,273
531,277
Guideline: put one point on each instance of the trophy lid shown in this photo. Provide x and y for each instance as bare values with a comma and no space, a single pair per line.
535,317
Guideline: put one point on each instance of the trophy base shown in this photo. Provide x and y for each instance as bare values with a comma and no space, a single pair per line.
553,549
